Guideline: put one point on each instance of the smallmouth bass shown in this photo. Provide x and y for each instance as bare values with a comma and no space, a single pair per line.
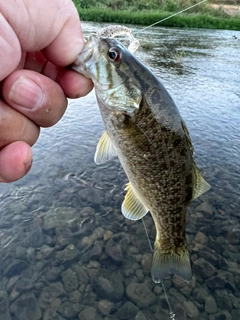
145,130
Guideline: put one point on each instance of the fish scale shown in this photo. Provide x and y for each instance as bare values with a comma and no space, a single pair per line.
145,130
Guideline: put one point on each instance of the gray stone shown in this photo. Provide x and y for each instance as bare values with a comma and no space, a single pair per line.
15,268
26,307
20,253
179,311
205,208
53,273
140,294
70,310
147,263
89,313
108,285
44,252
201,238
69,254
203,268
75,296
127,311
223,315
23,285
105,307
210,305
80,273
191,310
140,316
93,253
70,280
56,289
34,238
223,300
4,306
199,294
11,283
52,315
63,237
114,250
57,217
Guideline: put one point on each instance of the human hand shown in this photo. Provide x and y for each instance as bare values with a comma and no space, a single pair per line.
38,39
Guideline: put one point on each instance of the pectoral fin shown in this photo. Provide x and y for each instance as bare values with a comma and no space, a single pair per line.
200,184
165,263
105,150
132,207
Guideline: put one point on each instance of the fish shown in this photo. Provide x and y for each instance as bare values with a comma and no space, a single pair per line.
144,128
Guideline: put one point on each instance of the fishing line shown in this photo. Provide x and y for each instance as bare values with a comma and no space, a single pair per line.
173,15
171,313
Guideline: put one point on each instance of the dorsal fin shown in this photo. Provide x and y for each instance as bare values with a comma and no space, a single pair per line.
105,150
132,207
200,184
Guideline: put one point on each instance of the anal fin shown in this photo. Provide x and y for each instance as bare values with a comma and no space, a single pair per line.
165,263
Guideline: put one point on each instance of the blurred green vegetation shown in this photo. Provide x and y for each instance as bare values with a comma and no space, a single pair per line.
147,12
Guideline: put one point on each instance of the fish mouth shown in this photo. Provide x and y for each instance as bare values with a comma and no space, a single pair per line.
87,56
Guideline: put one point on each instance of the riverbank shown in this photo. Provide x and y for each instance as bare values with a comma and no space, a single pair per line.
210,18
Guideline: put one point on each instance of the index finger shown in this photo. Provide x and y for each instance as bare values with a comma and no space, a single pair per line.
50,25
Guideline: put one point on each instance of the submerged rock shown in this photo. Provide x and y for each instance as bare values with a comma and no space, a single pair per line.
4,306
114,250
15,268
70,253
26,307
70,280
127,311
70,310
108,285
203,268
140,294
191,310
106,307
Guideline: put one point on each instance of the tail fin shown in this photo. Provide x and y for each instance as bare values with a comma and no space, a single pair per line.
164,264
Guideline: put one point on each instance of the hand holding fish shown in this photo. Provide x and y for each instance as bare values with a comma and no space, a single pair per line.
37,41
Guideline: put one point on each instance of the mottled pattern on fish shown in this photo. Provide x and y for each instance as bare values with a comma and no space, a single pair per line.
153,145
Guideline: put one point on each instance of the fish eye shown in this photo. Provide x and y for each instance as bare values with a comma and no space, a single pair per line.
114,54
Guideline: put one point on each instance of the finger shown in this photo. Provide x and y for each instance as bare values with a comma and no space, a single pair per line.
14,126
36,96
73,84
15,161
53,25
10,49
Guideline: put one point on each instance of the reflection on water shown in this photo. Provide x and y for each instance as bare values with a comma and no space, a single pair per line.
66,250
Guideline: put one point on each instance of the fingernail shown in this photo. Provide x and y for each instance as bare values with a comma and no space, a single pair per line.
26,93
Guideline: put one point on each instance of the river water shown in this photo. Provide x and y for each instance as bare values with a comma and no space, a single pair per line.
67,252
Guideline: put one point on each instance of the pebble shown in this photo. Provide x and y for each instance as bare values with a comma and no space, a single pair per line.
191,310
146,263
4,306
114,250
127,311
203,268
26,307
70,280
69,254
108,285
106,307
140,294
210,305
